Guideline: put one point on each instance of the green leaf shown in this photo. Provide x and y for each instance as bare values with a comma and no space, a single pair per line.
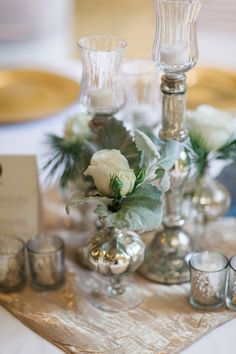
116,184
113,135
165,182
160,173
164,179
227,152
79,198
140,211
198,156
169,154
151,155
145,144
149,132
140,177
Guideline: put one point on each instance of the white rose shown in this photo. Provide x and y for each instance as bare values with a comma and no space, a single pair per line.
104,165
77,127
216,127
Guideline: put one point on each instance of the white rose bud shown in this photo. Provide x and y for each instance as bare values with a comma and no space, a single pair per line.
217,128
108,163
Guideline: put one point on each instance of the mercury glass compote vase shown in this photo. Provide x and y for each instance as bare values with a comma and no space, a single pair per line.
114,254
101,93
174,52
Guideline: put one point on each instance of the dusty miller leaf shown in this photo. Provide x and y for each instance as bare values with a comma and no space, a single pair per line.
79,198
169,154
150,153
140,211
113,135
165,182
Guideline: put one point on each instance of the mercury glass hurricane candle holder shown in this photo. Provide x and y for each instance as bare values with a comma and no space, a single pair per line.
101,92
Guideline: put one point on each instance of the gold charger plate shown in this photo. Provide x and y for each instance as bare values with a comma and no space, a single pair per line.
27,95
212,86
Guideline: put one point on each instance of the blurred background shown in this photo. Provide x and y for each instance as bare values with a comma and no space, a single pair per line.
47,30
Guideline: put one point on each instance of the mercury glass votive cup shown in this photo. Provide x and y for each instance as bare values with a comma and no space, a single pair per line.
12,264
208,273
46,262
231,290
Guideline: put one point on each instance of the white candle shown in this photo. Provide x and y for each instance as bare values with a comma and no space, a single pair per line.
177,54
101,99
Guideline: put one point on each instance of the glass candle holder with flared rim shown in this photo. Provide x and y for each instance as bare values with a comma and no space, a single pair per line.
102,43
101,91
175,47
208,273
46,261
12,263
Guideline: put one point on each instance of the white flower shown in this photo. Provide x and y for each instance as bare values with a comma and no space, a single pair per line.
77,127
217,128
108,163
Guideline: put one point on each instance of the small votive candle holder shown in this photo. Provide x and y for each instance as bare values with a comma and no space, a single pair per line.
46,261
231,290
12,264
208,273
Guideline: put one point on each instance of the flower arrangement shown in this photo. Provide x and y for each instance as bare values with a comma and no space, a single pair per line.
212,135
126,174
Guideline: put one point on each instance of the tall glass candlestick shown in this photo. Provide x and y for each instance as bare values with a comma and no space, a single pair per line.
175,51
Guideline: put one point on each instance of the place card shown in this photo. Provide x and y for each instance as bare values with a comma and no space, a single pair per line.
19,197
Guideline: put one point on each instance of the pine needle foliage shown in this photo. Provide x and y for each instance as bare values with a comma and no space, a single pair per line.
64,161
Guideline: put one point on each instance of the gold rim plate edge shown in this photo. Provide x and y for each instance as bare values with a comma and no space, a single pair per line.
213,86
29,94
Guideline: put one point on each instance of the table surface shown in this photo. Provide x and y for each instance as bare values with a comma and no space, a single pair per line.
27,138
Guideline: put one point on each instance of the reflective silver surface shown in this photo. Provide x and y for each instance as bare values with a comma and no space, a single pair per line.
114,252
210,199
165,256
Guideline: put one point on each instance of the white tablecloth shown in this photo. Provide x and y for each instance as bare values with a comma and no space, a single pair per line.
27,138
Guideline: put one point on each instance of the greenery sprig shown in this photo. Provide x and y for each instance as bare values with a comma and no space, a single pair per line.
199,157
64,160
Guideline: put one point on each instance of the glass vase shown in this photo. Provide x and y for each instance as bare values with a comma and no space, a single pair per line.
210,199
114,254
101,92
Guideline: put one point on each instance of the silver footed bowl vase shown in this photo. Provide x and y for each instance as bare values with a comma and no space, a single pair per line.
114,254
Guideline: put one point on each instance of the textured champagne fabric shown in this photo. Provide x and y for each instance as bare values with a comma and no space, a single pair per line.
164,322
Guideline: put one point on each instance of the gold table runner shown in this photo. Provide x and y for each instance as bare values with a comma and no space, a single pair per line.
164,322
